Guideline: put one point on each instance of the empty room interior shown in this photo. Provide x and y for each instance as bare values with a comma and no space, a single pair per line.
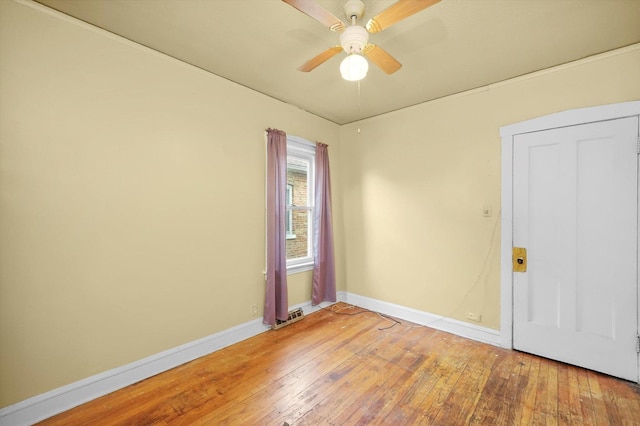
134,210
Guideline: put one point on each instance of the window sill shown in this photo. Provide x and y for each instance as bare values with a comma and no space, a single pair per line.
295,269
291,236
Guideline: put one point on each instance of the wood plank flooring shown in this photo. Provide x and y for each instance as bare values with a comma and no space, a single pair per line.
337,369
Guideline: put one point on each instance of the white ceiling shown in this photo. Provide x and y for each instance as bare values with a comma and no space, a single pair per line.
453,46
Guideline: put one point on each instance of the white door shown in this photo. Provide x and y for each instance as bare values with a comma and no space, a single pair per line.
575,195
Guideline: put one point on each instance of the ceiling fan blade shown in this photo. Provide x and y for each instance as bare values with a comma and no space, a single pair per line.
317,12
397,12
320,59
381,58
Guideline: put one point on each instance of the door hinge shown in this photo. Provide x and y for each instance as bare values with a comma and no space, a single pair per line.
638,343
638,144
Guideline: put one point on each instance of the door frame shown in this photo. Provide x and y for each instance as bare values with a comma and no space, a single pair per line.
507,134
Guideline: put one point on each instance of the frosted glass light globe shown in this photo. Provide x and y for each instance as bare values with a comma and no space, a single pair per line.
354,67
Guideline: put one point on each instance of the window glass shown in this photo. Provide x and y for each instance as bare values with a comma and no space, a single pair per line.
297,208
299,228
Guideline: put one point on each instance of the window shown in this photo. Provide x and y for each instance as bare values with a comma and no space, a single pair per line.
300,184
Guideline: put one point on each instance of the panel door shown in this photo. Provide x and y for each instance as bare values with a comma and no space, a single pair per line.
576,212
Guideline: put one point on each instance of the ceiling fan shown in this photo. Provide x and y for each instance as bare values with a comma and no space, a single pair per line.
354,39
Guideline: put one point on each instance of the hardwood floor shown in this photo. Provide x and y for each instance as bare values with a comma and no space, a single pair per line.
333,369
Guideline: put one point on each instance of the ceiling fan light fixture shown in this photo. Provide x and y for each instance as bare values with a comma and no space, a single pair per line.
354,39
354,67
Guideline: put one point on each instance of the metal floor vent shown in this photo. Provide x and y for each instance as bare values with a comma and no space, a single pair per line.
295,315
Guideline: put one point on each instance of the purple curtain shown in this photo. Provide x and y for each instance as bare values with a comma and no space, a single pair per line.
324,272
276,303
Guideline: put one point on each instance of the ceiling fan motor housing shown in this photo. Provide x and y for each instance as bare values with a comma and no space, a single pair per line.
354,8
354,38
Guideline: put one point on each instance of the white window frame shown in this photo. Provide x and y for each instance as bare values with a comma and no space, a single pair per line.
303,149
289,219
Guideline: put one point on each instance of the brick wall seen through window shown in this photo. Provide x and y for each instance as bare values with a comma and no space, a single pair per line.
297,241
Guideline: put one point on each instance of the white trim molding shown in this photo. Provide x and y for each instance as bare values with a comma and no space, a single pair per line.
58,400
438,322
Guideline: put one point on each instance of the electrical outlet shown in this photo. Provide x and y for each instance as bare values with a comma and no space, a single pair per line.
254,310
474,317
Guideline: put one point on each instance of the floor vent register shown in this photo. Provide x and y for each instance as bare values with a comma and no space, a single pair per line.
295,315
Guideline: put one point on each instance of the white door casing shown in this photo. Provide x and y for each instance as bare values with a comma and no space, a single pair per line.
565,312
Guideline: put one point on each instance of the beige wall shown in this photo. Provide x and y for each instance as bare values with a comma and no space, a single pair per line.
132,197
132,201
417,181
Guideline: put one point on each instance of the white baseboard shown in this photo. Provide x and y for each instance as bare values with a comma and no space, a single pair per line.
56,401
460,328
